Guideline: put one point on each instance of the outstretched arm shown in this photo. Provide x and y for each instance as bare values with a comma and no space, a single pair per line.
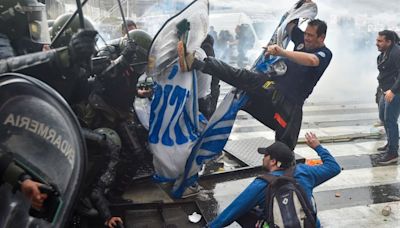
302,58
249,198
328,169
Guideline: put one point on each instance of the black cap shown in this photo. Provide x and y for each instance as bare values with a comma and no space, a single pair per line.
280,152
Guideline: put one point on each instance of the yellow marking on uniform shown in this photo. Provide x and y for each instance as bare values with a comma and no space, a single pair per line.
267,84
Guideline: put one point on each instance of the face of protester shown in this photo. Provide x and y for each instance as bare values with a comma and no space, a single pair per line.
382,43
311,38
268,163
130,28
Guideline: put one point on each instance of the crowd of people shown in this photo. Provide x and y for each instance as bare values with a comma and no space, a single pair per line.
231,47
100,85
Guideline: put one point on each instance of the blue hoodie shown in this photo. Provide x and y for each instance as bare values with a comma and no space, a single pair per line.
308,177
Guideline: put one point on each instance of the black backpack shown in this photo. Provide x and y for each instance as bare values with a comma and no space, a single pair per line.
287,205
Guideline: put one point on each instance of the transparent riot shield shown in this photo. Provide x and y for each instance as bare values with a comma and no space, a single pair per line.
41,131
163,52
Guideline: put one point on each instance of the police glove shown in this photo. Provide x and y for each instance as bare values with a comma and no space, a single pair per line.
129,52
82,46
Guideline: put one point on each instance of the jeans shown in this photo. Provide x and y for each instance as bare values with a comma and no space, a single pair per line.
389,113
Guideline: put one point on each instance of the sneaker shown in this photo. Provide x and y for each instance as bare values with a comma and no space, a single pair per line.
382,148
388,159
378,124
191,191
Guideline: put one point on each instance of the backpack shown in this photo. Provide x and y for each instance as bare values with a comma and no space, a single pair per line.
287,205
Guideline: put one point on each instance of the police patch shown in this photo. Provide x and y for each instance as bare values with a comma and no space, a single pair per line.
300,46
322,54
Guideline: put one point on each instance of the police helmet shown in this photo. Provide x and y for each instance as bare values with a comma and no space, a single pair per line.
24,19
110,134
72,28
50,23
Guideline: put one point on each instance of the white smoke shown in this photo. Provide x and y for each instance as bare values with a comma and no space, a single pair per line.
352,29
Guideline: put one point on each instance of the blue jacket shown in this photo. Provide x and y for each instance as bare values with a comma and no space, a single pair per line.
308,177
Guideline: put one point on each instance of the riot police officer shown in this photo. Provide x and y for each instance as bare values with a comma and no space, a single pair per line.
103,146
110,103
73,27
20,180
24,31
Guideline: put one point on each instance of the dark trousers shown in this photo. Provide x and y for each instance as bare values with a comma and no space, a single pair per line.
279,114
266,104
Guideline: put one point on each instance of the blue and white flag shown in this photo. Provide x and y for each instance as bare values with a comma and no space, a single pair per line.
175,122
180,138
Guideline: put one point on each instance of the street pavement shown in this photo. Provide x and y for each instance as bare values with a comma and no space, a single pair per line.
354,198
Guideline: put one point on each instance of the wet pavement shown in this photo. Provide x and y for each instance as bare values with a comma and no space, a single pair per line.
362,189
354,198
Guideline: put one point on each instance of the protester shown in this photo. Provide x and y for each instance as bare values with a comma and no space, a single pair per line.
278,158
277,98
389,82
208,90
131,25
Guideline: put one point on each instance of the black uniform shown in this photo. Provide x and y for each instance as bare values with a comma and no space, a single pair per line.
208,104
110,105
60,68
279,106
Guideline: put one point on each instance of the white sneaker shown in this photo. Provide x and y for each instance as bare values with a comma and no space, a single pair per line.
378,124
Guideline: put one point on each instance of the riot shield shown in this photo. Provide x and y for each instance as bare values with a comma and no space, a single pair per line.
43,134
163,52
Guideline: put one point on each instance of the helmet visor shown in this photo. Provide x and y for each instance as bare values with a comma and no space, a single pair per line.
37,23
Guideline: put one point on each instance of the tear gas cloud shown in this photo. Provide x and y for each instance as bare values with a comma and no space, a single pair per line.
352,29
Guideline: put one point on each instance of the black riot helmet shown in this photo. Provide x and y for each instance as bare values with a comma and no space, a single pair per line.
72,28
143,41
24,19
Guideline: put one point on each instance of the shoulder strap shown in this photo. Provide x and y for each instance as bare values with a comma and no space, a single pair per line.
271,178
268,178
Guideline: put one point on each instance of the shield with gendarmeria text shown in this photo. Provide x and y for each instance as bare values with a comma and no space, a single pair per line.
41,131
